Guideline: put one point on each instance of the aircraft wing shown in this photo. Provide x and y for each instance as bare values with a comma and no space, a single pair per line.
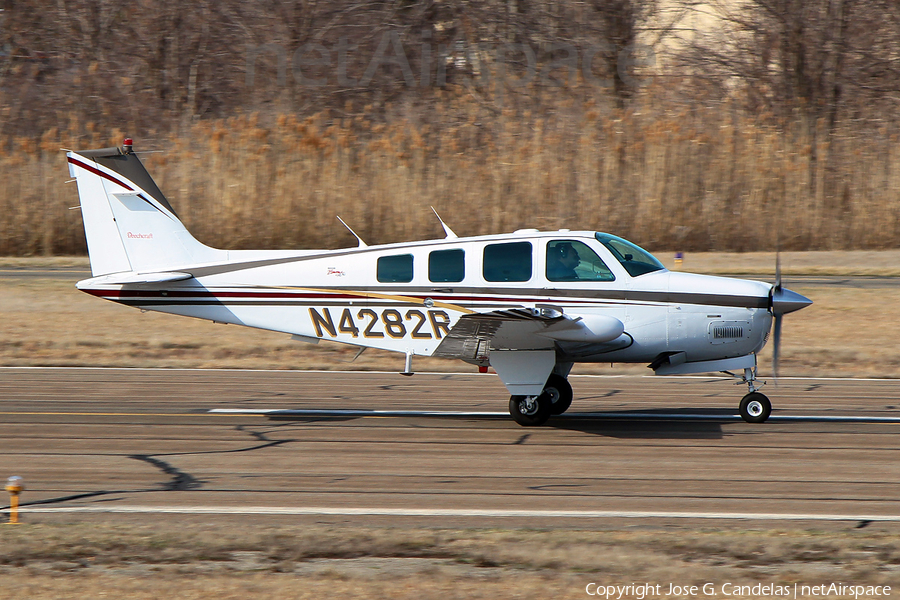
474,335
471,337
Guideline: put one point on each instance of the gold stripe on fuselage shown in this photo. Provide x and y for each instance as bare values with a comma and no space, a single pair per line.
375,295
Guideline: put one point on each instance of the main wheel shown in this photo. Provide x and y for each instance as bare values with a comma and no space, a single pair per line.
560,393
530,410
755,408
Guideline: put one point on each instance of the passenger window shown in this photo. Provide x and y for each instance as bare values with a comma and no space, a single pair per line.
395,269
507,262
446,266
571,260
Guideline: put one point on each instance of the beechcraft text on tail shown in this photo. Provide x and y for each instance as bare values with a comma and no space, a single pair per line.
530,304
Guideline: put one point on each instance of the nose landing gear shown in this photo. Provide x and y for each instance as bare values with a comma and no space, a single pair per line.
755,407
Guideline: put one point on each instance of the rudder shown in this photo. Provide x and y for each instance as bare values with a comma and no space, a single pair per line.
128,223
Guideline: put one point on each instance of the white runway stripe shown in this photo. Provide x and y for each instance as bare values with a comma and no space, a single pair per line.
340,412
450,512
350,412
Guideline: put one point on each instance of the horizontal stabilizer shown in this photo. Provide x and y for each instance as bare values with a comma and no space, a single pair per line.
134,278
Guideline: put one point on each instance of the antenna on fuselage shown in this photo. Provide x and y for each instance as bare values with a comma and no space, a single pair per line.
362,244
447,230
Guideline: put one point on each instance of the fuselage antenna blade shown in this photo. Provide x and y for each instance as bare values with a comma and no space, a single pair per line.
362,244
447,230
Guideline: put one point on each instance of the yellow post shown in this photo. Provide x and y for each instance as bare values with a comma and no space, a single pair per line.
14,487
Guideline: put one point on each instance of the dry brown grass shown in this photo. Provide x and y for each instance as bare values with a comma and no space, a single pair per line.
46,322
192,560
664,175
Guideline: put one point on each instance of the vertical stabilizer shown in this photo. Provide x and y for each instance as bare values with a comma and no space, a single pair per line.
129,224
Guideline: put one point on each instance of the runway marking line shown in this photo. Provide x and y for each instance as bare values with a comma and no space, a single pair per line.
339,412
388,414
98,414
451,512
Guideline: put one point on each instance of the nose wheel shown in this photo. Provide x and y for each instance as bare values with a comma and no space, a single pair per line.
755,407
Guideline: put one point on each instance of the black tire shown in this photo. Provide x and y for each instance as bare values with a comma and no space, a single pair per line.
755,408
560,392
538,415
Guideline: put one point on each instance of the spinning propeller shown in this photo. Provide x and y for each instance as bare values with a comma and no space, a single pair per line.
781,302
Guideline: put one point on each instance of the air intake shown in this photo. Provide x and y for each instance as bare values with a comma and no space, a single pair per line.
727,331
723,332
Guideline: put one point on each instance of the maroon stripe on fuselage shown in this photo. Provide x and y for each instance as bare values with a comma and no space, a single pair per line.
206,295
188,294
100,173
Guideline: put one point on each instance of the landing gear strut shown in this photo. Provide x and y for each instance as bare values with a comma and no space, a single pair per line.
555,399
755,407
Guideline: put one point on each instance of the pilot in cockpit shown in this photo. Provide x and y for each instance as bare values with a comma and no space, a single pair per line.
561,262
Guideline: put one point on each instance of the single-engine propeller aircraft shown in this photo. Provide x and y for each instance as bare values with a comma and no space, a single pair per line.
530,304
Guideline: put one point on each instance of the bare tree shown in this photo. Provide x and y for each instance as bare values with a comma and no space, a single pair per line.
816,58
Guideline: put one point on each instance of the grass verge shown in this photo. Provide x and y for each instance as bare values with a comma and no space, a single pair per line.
202,561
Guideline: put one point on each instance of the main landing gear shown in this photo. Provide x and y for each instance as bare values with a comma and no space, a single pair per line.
555,399
755,407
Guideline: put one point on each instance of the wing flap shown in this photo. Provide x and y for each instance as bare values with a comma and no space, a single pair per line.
471,337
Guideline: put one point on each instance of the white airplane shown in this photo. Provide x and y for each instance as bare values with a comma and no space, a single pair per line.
530,304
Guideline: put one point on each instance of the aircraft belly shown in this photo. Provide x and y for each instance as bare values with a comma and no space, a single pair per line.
217,313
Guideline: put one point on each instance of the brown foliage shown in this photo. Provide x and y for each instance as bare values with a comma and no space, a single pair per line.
667,178
275,116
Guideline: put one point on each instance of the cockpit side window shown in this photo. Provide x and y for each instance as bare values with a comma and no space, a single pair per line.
635,259
571,260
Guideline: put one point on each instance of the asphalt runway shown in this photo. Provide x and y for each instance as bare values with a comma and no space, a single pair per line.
337,447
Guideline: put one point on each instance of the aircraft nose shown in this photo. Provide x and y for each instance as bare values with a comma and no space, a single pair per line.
785,301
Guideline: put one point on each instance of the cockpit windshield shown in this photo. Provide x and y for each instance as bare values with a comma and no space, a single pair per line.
635,259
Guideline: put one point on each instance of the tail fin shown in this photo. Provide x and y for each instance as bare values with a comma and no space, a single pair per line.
129,224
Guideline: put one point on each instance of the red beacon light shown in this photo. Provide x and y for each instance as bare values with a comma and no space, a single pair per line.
126,145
